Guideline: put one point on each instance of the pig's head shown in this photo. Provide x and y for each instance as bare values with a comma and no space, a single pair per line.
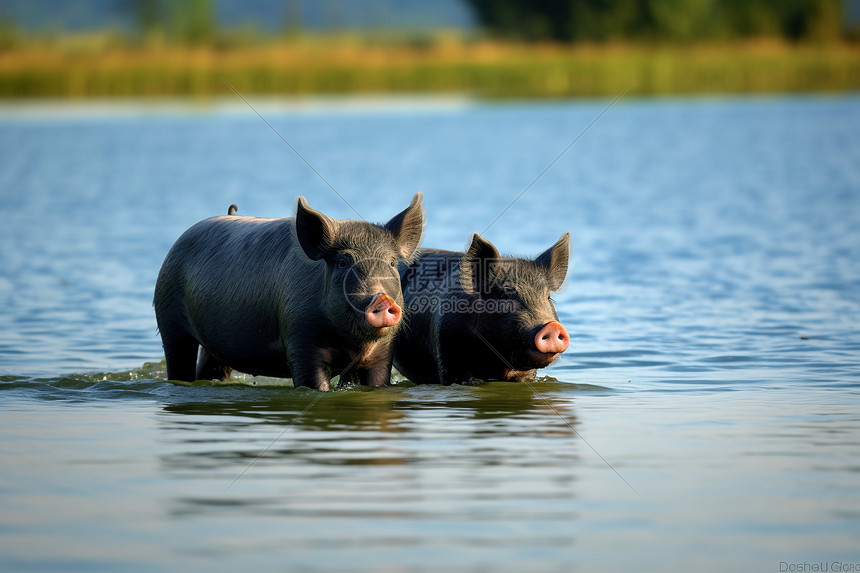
362,288
516,315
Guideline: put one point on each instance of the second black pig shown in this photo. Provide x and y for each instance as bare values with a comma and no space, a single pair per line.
480,315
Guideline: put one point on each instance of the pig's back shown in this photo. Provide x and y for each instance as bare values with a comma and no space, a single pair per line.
433,272
233,280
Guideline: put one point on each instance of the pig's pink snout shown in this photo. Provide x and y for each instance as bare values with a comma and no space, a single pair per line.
383,311
552,338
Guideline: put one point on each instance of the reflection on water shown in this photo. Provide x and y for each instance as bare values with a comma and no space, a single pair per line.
496,475
402,453
363,428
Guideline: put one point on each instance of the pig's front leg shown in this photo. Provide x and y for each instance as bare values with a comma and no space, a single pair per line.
318,378
450,371
377,375
312,372
310,362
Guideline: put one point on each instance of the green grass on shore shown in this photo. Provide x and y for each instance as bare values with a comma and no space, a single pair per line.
483,69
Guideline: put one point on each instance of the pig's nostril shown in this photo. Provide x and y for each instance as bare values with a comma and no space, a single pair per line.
552,338
383,311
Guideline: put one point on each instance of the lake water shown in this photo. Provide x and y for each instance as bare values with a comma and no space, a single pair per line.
706,417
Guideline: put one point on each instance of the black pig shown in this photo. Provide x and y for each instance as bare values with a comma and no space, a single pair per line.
308,297
479,315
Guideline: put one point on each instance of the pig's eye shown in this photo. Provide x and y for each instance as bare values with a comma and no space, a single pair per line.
507,293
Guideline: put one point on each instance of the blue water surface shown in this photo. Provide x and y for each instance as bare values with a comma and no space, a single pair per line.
706,417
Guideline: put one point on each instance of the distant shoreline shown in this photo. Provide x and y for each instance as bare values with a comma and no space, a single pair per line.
34,109
480,70
228,104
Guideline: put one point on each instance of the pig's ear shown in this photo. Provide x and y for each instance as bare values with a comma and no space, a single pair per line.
554,261
477,265
407,227
314,230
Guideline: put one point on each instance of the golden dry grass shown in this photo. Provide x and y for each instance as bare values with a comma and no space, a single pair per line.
100,66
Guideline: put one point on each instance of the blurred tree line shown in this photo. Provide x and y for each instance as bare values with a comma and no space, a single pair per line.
189,21
660,20
195,22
